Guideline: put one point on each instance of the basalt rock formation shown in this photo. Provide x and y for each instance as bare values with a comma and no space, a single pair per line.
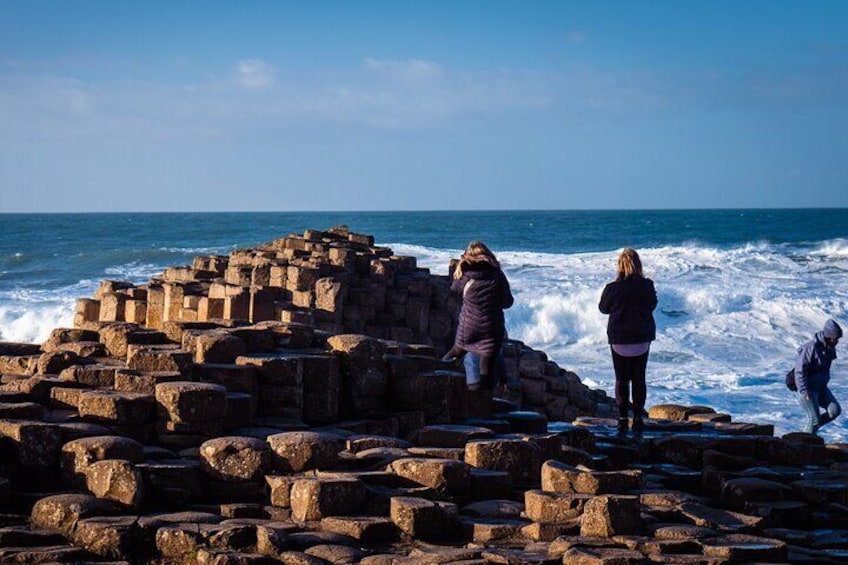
288,404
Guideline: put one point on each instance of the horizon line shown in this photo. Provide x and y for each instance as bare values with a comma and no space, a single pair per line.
408,211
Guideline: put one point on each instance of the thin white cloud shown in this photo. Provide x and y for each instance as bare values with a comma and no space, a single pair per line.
382,94
412,69
255,74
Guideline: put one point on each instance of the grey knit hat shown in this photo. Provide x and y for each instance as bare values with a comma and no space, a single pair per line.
832,330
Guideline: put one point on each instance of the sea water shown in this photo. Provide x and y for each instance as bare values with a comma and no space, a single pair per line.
739,290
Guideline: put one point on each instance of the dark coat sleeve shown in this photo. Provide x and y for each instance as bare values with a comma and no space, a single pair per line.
652,296
458,285
507,299
604,305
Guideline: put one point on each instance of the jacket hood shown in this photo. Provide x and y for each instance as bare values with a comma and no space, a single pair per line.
832,330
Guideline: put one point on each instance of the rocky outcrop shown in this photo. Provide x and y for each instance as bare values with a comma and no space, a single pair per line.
287,404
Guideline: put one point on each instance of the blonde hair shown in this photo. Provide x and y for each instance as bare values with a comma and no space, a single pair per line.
476,252
629,264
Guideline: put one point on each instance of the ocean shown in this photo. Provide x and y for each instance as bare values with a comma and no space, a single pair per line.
739,290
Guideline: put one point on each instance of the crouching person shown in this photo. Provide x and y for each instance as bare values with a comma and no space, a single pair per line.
812,375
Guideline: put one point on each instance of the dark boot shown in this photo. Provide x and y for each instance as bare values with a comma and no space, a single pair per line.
638,426
622,426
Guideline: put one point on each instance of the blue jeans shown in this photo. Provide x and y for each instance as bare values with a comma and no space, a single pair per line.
824,399
471,361
472,369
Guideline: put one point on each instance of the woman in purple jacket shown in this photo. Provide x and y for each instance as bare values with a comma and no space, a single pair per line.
630,301
485,295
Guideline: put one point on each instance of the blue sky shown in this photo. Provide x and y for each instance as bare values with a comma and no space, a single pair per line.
319,105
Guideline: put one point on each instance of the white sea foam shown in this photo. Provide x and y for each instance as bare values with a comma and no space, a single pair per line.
32,324
219,250
134,271
833,248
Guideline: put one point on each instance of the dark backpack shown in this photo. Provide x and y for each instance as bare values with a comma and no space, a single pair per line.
790,380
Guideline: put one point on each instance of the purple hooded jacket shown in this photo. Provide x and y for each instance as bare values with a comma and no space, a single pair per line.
485,295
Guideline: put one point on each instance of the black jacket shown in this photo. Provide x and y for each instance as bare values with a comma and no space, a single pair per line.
630,303
481,318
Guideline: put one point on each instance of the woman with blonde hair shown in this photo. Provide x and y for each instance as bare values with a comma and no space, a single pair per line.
630,301
485,294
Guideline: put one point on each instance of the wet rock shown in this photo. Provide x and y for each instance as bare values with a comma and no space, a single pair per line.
686,450
62,336
683,532
313,499
526,422
423,519
149,360
745,549
116,480
23,536
35,444
233,536
364,375
61,512
553,508
96,375
236,458
341,554
494,509
218,347
50,554
610,515
180,540
78,455
172,482
124,408
300,451
676,412
366,529
522,459
558,477
361,442
272,538
21,411
485,530
55,362
737,493
127,380
602,556
191,402
299,558
490,485
717,519
109,537
445,476
228,557
451,435
518,557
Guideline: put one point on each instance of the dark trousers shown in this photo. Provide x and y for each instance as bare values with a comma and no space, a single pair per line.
630,372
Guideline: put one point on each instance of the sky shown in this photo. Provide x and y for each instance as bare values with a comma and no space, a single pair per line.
427,105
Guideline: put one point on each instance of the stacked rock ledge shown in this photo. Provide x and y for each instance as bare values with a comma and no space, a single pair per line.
288,404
